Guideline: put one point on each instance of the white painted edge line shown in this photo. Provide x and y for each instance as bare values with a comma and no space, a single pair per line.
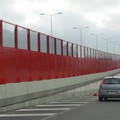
70,102
58,105
76,100
26,115
43,109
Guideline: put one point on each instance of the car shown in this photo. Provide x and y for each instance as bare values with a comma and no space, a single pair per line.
109,88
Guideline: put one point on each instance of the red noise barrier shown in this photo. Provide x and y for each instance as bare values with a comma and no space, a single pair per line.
27,55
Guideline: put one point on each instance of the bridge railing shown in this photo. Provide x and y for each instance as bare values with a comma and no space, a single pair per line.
27,55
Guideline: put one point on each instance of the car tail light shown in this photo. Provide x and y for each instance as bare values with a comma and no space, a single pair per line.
102,82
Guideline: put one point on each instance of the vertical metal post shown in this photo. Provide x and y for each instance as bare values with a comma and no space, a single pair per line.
90,53
87,60
28,38
87,52
80,51
16,37
38,42
1,33
72,50
16,46
67,48
81,59
77,51
61,47
84,52
28,47
91,56
77,66
55,52
48,47
55,46
84,61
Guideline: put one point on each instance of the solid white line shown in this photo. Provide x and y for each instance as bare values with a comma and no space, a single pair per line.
72,100
76,100
69,102
58,105
43,109
26,115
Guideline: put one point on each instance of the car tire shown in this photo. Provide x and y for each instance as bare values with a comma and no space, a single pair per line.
100,98
105,99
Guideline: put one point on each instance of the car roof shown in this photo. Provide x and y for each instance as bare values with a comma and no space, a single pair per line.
112,77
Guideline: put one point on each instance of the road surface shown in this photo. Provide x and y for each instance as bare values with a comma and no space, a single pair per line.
85,108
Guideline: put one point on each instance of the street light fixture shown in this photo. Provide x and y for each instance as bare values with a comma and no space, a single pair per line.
96,35
80,29
51,15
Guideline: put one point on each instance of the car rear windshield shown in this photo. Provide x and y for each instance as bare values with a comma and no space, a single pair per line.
112,81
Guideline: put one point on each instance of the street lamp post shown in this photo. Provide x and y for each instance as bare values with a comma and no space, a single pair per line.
96,35
114,43
107,41
51,15
80,29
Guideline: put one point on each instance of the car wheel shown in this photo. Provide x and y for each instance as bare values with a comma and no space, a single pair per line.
105,99
100,98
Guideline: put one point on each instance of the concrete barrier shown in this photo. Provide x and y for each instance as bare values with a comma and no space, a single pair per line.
19,95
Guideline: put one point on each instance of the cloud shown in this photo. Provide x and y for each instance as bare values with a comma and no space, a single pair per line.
8,13
99,15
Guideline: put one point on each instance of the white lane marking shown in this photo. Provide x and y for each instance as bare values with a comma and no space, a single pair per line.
26,115
43,109
78,100
70,102
73,100
58,105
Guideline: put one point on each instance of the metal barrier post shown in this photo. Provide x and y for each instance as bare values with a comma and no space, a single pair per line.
28,38
1,33
16,37
38,42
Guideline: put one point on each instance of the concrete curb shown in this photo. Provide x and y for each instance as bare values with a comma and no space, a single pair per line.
78,92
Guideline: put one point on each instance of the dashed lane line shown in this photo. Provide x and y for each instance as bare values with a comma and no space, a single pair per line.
44,109
70,102
51,105
26,115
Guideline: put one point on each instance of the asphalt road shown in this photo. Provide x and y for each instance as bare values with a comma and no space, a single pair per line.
109,110
86,108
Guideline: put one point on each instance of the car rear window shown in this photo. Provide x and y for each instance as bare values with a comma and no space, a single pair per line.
112,81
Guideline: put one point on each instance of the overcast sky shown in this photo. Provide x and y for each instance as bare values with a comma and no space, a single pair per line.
102,16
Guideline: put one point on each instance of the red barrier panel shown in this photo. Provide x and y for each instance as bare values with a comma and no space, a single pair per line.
30,55
2,80
65,66
10,68
35,66
59,66
24,65
44,66
52,66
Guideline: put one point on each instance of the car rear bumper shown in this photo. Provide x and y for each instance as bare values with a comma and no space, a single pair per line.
109,94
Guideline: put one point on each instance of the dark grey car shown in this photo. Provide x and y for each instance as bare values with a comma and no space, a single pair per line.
109,88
